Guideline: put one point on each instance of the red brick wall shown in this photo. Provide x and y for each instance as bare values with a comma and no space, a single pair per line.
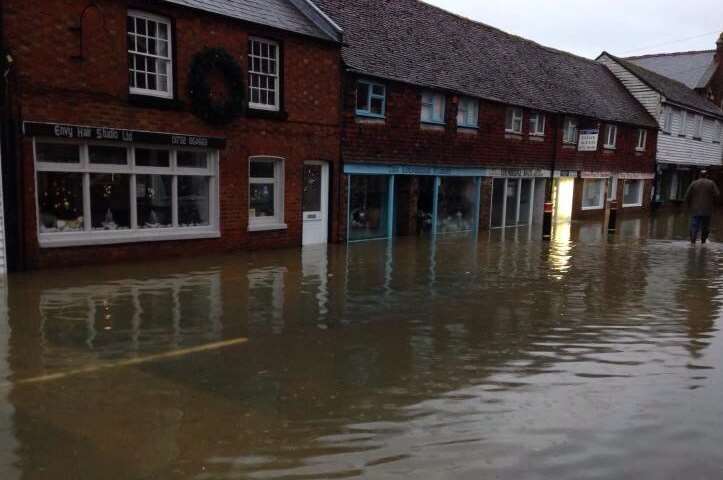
400,138
53,87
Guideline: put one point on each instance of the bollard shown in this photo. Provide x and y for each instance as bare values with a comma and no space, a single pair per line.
547,222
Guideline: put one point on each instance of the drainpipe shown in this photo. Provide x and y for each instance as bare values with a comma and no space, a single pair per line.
549,207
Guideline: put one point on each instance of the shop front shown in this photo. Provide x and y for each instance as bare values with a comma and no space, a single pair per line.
389,200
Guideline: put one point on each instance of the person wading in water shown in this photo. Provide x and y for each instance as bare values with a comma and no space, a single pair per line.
700,198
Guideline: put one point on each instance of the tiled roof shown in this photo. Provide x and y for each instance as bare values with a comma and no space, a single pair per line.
672,90
296,16
413,42
694,69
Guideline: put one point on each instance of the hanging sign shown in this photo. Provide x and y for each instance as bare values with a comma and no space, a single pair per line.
75,132
588,140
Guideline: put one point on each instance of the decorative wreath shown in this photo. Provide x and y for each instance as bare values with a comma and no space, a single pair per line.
199,90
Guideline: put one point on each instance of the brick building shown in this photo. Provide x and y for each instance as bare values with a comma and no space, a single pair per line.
108,155
451,125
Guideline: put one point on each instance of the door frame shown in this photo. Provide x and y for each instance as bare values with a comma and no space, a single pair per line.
325,190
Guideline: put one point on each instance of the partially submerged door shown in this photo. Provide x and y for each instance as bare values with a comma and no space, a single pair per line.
316,203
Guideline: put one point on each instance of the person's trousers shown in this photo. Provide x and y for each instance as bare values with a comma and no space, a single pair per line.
699,224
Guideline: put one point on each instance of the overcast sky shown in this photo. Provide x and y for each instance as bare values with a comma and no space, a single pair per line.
629,27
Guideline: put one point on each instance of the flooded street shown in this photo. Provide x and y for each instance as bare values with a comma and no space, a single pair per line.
462,358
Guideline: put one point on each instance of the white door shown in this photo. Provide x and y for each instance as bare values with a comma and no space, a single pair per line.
316,203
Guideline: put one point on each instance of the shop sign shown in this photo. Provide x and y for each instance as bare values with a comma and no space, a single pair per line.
588,140
75,132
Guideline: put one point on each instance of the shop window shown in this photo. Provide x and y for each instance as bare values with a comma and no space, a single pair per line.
89,193
569,135
264,78
149,55
194,201
266,189
154,201
468,112
513,121
513,201
457,204
371,99
593,193
110,201
433,107
60,202
368,207
633,193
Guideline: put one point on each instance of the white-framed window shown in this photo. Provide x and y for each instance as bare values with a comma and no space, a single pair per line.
683,123
569,135
95,193
667,119
513,120
633,193
537,124
468,112
611,136
593,193
698,127
264,76
433,107
150,66
371,99
717,132
642,140
612,188
266,193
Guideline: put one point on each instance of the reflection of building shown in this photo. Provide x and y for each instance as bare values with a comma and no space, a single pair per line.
169,148
450,133
691,125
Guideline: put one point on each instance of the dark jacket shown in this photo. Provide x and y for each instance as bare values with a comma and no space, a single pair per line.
701,196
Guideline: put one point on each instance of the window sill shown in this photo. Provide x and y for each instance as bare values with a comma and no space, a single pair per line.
369,115
361,120
682,136
537,138
468,130
279,115
513,136
268,227
697,139
80,239
609,147
434,127
632,205
151,101
585,209
569,146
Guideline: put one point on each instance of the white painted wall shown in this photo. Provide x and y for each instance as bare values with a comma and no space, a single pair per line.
648,98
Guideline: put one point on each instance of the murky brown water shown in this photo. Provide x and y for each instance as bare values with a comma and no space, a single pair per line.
496,357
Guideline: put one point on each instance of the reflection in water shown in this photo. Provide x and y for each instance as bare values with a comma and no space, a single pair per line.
593,356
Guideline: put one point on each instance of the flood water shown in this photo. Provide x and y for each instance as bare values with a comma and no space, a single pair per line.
462,358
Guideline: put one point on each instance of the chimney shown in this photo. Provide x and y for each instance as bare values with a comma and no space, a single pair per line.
719,50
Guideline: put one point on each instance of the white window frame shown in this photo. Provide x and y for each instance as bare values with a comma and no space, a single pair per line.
639,202
468,112
611,134
642,140
514,118
667,119
602,186
430,102
366,112
275,77
717,131
612,189
683,124
569,135
538,120
698,127
89,236
169,59
276,222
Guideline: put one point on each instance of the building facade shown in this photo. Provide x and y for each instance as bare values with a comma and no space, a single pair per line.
174,128
450,125
691,127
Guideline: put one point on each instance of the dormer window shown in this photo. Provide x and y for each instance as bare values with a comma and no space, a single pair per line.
264,78
150,69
